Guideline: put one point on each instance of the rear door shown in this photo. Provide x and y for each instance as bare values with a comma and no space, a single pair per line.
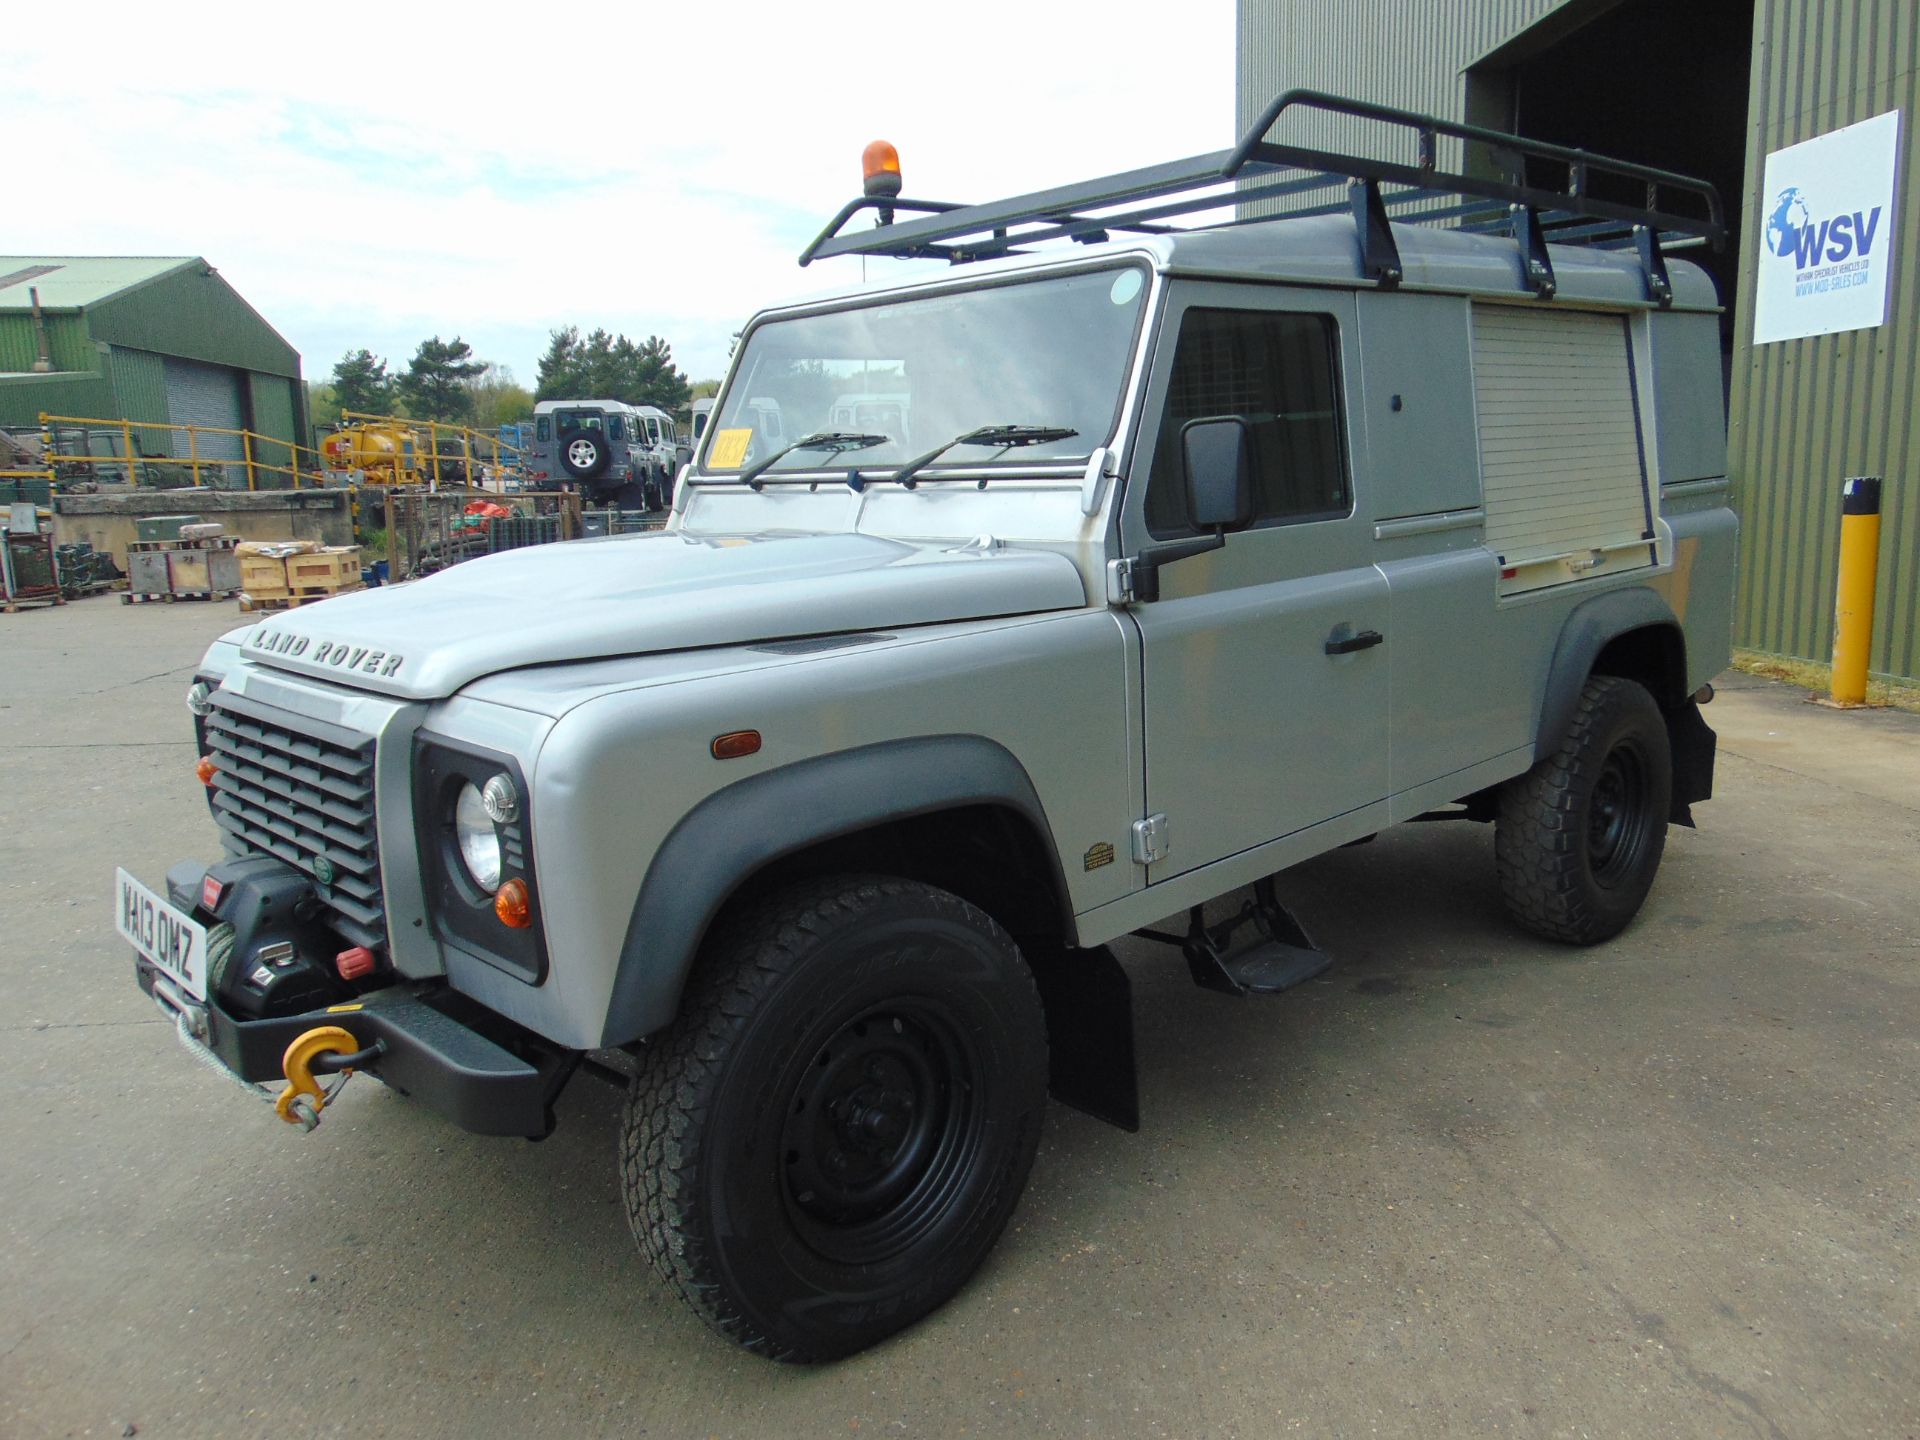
1265,695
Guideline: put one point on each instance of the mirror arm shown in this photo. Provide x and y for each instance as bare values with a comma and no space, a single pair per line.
1148,564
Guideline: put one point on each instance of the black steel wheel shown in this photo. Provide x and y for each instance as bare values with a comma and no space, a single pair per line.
830,1138
1580,835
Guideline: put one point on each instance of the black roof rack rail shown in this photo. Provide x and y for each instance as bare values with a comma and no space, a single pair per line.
1141,201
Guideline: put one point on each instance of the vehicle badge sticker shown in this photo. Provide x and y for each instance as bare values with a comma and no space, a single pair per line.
1100,854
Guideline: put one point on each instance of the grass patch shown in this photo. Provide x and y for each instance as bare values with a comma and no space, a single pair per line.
1812,675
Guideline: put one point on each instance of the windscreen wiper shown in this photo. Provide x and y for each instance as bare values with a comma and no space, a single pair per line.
1006,437
834,440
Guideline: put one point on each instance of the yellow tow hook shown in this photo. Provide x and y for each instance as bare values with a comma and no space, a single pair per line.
303,1099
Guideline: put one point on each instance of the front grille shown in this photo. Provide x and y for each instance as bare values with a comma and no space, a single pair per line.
300,790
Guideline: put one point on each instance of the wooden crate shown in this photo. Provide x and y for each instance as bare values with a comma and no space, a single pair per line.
329,569
262,572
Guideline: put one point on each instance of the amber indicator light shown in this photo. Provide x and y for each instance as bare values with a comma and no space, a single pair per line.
513,906
734,744
203,767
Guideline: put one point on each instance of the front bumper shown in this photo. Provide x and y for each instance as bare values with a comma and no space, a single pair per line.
431,1052
481,1071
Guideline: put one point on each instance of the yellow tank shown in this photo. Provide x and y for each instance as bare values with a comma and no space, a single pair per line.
383,453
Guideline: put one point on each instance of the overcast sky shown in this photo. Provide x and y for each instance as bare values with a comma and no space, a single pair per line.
367,175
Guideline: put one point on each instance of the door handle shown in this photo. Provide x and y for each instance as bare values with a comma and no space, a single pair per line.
1347,644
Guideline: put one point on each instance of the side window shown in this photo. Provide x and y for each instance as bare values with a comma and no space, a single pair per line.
543,428
1277,370
613,428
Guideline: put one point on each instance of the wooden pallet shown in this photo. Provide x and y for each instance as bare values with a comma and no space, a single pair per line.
139,597
251,603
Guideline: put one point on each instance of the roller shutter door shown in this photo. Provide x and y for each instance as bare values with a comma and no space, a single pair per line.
1560,453
207,395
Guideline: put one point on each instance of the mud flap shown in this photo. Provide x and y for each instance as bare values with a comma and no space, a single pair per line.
1692,743
1089,1009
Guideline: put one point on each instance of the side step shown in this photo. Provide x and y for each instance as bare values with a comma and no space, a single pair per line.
1264,968
1278,956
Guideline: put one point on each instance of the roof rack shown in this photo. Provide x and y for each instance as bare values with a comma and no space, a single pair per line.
1141,201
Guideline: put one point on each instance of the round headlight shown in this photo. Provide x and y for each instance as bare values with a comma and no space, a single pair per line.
501,799
200,697
479,842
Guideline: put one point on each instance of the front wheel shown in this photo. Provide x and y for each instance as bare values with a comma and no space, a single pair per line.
833,1133
1580,835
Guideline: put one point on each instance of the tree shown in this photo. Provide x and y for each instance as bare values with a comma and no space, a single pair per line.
360,382
498,399
323,404
561,373
659,381
435,386
606,366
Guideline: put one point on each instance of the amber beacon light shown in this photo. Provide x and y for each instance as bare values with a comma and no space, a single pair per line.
880,176
880,169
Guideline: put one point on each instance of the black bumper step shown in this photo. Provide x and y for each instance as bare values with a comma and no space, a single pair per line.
436,1057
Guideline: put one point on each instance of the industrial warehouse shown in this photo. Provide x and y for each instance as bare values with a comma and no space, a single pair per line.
165,341
1717,89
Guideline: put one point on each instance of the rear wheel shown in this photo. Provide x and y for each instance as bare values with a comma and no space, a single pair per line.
1580,835
832,1134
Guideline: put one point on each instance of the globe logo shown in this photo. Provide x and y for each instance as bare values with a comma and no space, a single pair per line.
1789,218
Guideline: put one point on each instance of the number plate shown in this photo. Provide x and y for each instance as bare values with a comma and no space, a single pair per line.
176,943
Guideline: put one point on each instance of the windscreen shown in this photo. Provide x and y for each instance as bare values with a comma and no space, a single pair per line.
910,376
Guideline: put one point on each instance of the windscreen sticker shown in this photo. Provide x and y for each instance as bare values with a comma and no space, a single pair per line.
1126,285
729,450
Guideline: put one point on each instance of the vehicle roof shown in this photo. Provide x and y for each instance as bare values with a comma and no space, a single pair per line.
1325,250
547,407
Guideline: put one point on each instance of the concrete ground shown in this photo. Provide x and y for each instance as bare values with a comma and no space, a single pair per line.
1465,1184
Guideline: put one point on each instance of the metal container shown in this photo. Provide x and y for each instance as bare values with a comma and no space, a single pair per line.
163,527
147,573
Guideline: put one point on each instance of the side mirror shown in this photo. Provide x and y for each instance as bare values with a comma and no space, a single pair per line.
1217,460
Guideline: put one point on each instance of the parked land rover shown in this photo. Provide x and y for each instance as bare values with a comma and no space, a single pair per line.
612,452
1170,559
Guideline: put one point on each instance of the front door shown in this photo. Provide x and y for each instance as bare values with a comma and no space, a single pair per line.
1265,691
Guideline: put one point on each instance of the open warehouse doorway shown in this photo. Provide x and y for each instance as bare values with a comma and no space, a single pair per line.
1646,80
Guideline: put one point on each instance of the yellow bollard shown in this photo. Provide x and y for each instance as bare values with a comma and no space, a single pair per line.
1853,607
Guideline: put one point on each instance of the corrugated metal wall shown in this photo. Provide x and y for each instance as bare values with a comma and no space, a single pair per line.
67,341
140,392
1410,53
1806,413
271,400
1803,413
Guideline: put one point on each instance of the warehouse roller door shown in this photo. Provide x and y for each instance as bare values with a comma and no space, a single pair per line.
1560,454
207,395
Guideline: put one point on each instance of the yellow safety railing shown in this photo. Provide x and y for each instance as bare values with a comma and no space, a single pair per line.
253,460
473,448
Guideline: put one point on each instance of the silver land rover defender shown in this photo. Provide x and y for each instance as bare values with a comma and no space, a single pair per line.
1170,558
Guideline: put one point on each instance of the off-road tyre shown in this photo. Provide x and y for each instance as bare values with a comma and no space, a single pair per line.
589,459
1580,835
832,1134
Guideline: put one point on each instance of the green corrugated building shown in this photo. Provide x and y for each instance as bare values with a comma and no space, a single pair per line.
149,339
1711,88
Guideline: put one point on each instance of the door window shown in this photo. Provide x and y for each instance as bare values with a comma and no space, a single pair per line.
1278,371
